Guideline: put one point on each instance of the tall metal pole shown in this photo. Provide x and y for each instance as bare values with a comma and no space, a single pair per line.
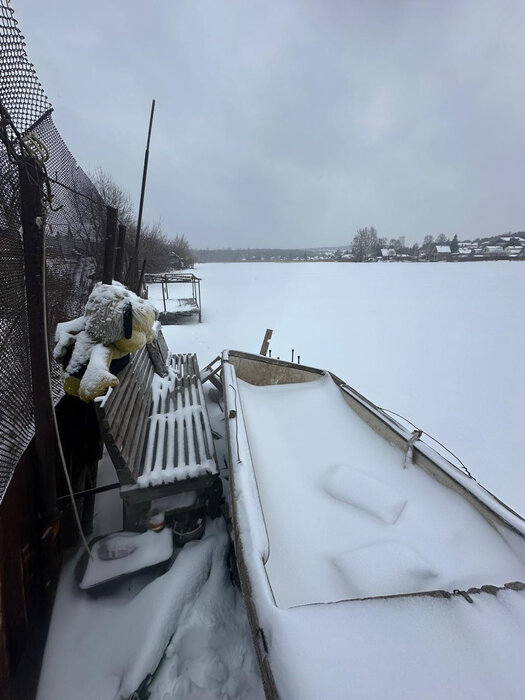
143,188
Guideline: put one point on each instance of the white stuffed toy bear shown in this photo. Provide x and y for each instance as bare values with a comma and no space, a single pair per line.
116,322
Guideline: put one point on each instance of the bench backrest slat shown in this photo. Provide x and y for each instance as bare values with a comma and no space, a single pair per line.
137,446
131,376
124,426
116,398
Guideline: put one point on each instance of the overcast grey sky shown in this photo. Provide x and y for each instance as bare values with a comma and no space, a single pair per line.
291,123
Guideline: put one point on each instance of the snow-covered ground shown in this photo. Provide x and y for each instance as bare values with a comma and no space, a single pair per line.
439,343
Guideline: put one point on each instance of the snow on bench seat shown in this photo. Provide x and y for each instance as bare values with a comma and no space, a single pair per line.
157,431
179,443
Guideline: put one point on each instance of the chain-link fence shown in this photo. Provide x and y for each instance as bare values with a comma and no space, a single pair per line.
74,233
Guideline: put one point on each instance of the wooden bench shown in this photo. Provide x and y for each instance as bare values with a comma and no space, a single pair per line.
158,435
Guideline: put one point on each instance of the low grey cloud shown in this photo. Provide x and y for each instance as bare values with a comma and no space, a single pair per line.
293,123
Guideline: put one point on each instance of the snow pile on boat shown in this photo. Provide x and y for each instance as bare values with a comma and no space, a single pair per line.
344,519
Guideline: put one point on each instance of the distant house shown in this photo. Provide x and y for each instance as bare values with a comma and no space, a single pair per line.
388,253
493,251
514,251
504,241
461,254
441,252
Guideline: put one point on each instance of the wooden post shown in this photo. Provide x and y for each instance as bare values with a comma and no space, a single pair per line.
266,342
163,295
200,301
119,259
45,439
141,278
109,244
32,214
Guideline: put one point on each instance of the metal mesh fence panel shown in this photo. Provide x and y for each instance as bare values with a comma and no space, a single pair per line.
73,239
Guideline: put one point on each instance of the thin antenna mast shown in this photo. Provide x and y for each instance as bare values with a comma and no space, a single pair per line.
143,188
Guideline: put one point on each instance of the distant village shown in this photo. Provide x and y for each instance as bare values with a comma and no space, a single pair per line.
510,246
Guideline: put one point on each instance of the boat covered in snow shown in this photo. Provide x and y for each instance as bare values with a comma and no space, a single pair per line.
371,566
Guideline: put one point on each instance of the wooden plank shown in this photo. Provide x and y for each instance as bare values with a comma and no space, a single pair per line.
121,467
142,367
114,400
151,446
32,215
170,442
125,396
130,393
198,436
142,408
137,446
178,458
126,424
163,346
203,425
190,439
266,342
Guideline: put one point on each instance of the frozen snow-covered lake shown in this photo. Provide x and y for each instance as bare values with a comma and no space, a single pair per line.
440,343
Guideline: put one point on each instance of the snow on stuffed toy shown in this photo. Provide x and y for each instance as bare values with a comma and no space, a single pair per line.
115,323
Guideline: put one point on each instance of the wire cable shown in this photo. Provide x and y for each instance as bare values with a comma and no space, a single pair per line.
387,410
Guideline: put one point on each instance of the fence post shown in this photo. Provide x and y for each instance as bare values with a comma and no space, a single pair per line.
140,283
119,260
45,440
109,244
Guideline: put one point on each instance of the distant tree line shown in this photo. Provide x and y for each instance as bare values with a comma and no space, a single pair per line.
249,254
365,245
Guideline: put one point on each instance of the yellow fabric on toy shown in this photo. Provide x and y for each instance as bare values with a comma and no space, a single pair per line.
71,385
